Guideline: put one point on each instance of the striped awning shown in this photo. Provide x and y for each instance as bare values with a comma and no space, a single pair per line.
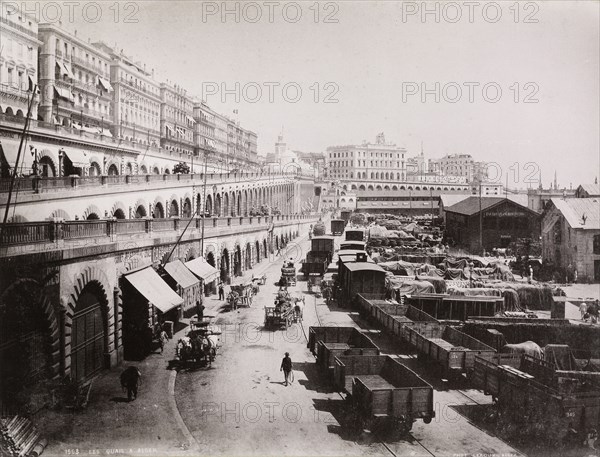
148,283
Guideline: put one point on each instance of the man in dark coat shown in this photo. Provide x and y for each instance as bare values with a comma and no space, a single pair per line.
131,378
221,292
286,367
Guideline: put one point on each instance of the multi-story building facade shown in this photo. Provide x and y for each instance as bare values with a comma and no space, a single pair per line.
18,61
176,119
459,165
137,101
571,236
379,161
74,82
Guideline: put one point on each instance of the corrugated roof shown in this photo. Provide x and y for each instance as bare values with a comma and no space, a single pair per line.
471,205
593,190
452,199
180,273
573,209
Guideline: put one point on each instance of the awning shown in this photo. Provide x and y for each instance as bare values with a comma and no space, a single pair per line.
154,289
62,69
56,121
78,157
169,129
9,150
203,269
105,84
180,273
190,119
68,70
61,92
105,132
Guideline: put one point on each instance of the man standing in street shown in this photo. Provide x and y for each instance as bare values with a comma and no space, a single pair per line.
199,310
286,367
221,292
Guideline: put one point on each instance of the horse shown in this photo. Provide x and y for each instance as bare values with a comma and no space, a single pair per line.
131,378
233,299
528,347
299,309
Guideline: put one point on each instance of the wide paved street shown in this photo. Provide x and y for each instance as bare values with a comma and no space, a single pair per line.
240,406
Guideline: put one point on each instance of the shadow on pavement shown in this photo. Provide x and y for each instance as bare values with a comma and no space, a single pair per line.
120,399
338,416
315,379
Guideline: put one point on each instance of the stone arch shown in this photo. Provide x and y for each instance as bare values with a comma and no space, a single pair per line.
257,253
370,187
186,211
98,282
112,170
232,203
139,209
445,188
225,211
51,325
353,187
386,187
237,260
417,188
402,188
452,188
61,213
225,270
95,169
438,188
217,211
143,169
248,257
394,187
378,187
210,259
208,207
362,187
48,163
119,207
174,208
92,212
159,211
190,254
265,248
155,170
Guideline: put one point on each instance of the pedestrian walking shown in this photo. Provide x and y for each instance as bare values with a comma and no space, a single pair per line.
162,339
221,291
583,310
286,367
278,252
131,379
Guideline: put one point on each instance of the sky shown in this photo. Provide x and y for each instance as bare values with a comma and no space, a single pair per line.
516,84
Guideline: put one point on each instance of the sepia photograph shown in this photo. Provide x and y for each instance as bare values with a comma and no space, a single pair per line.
300,228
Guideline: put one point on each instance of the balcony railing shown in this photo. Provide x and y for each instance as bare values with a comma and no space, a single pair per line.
46,184
29,233
18,27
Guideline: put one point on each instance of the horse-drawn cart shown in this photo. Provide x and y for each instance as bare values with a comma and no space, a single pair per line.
288,275
314,284
245,293
278,316
200,344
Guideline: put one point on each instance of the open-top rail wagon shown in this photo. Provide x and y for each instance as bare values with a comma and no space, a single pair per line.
386,395
328,342
393,317
452,349
535,401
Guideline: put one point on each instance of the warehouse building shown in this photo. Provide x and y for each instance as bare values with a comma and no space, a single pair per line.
502,222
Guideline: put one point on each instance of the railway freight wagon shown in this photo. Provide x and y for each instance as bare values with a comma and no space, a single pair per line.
356,245
345,216
355,235
534,401
328,342
453,350
386,395
323,245
456,307
316,262
337,226
360,277
394,317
